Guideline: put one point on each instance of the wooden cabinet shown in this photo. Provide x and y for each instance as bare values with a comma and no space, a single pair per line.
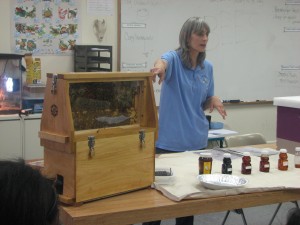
92,58
98,132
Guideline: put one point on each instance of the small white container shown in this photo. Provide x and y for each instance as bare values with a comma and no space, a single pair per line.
297,157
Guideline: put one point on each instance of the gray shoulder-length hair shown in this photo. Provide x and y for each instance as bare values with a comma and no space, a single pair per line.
194,25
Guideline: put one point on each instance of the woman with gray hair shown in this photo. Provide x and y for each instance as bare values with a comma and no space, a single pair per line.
187,91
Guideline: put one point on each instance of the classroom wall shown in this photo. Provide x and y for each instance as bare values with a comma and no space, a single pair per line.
241,118
250,118
244,53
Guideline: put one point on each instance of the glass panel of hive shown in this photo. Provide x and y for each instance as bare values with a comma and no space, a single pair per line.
104,104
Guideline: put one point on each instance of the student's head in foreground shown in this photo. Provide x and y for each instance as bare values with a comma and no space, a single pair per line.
26,197
293,217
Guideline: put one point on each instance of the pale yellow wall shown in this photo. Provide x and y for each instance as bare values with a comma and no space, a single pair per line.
242,118
250,119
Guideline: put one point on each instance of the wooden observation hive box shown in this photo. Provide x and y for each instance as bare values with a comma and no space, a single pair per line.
98,131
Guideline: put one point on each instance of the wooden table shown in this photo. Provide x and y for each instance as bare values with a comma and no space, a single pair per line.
149,204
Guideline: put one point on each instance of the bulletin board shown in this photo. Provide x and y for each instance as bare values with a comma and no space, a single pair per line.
44,27
253,45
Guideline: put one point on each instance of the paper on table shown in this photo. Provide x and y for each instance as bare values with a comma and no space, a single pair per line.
256,151
220,133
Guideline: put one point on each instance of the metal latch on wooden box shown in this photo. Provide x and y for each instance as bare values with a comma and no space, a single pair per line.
142,137
91,144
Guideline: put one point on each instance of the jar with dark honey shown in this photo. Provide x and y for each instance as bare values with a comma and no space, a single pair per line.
205,163
264,165
227,166
246,164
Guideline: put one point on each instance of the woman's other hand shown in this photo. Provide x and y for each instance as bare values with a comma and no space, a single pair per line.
214,102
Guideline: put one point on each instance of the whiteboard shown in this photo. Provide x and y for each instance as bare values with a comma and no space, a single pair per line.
254,45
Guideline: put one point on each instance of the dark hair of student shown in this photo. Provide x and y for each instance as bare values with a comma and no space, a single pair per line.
293,217
26,197
194,25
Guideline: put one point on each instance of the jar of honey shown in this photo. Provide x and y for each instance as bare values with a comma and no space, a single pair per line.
246,164
297,157
283,163
264,165
205,163
227,166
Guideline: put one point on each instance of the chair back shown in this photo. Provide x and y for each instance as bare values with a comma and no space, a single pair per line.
245,139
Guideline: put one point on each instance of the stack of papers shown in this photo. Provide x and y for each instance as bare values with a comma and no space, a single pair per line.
256,151
220,133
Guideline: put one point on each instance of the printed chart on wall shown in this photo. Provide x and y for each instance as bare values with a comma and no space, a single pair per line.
45,27
254,44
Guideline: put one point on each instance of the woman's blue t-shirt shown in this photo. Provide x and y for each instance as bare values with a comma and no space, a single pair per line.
182,122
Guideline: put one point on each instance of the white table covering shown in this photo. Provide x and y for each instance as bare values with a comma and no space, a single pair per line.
186,185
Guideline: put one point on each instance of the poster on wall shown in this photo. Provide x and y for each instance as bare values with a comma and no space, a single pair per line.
45,27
